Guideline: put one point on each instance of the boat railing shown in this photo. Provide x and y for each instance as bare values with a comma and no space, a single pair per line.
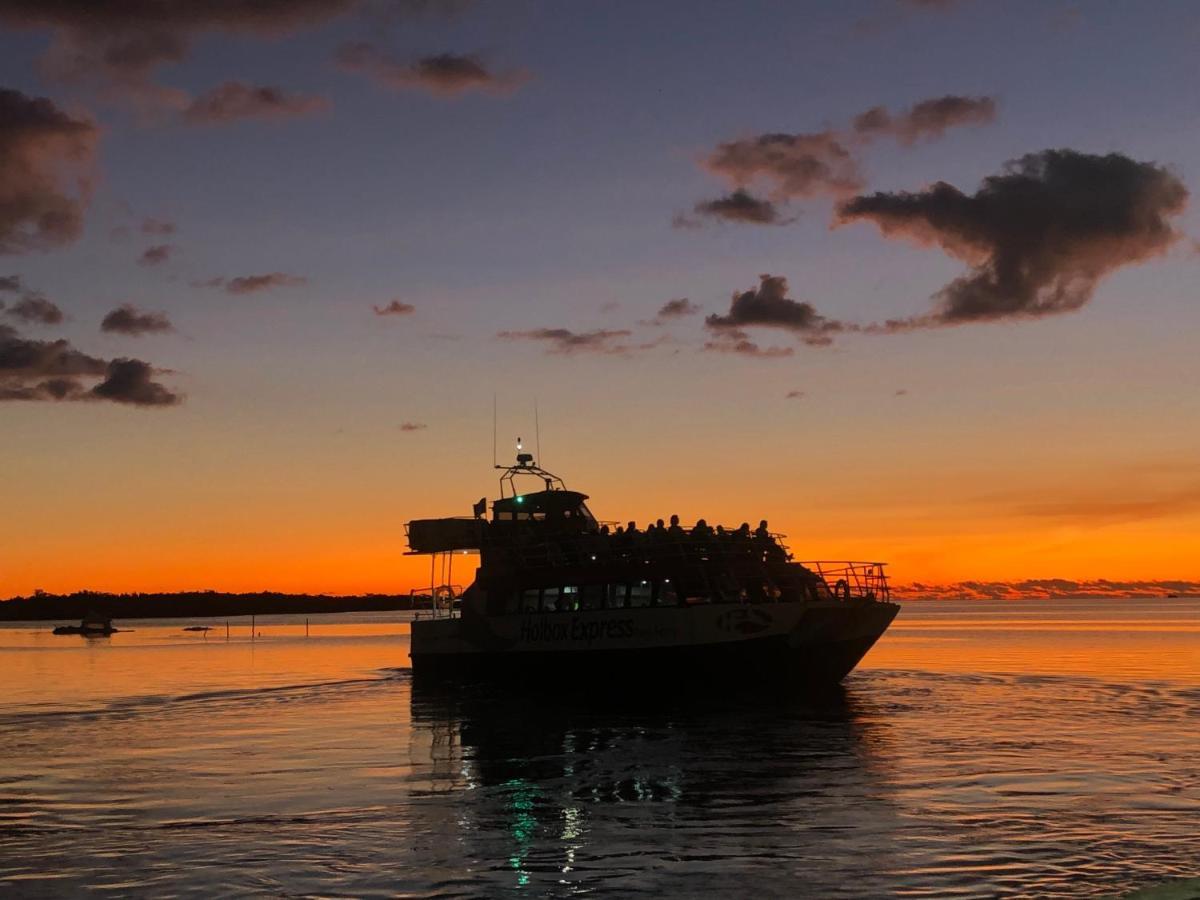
851,578
435,601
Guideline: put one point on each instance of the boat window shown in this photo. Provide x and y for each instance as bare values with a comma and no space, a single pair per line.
586,513
570,599
530,599
591,596
617,596
667,595
640,593
550,599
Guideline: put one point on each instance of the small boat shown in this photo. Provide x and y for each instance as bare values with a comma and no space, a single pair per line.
93,625
558,597
198,628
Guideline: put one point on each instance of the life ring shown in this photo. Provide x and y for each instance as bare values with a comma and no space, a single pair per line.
842,589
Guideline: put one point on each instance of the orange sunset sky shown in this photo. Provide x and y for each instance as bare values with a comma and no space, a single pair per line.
915,282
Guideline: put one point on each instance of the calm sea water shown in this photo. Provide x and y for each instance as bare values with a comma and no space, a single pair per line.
982,750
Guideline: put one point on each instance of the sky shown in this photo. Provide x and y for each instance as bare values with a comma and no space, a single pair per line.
912,280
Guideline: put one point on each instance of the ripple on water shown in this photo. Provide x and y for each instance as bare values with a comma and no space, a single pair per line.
905,783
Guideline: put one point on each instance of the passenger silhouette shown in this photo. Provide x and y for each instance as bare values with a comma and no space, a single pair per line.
675,530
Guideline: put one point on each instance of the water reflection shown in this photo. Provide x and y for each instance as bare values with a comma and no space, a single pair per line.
575,791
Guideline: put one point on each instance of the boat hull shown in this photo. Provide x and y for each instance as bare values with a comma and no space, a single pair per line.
785,644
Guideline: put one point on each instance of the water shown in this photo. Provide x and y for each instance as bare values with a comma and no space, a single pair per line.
983,749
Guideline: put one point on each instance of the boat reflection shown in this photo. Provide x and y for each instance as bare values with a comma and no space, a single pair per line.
586,792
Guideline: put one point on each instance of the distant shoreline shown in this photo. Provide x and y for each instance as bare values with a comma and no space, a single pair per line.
185,604
46,607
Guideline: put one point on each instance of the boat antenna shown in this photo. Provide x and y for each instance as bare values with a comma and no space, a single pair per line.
537,432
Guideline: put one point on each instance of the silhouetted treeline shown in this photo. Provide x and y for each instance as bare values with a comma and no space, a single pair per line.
190,604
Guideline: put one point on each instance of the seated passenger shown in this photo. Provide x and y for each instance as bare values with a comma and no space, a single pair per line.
701,529
762,532
675,530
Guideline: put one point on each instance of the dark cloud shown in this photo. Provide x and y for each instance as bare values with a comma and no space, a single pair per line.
677,308
36,309
447,74
46,157
249,284
768,305
157,227
795,395
795,165
1039,236
10,283
130,381
33,370
902,392
46,389
153,256
25,358
395,308
128,319
738,206
927,120
413,426
562,340
236,100
806,165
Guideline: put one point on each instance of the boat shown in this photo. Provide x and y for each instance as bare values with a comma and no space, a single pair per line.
94,624
559,596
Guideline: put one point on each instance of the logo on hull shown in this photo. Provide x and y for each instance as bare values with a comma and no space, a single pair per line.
745,620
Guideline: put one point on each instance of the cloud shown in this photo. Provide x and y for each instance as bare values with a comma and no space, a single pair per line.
677,308
129,381
10,283
738,206
128,319
157,227
36,309
153,256
250,284
796,165
901,392
118,47
33,370
445,74
768,305
562,340
395,308
1039,236
236,100
795,395
413,426
734,340
46,157
1043,589
806,165
929,119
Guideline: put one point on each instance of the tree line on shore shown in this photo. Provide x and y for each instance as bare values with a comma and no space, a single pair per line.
43,606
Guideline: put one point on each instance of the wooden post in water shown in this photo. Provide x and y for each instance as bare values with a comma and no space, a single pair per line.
253,632
226,629
306,627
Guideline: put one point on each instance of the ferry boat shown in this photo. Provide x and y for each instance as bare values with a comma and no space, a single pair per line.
559,596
